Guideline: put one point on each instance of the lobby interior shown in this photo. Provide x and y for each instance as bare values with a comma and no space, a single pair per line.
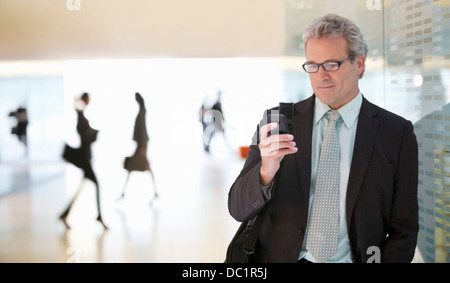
179,55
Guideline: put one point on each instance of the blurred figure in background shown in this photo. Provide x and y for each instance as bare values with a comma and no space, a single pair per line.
139,162
81,157
212,121
21,128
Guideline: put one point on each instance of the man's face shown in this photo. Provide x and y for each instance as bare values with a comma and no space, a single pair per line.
338,87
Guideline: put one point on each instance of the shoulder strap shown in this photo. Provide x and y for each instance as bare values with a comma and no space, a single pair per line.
243,244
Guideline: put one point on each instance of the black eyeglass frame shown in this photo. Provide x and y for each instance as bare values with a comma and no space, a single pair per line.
339,63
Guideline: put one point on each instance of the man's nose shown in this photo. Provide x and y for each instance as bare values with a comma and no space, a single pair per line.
322,74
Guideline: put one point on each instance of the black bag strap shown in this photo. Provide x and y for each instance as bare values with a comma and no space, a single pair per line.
244,241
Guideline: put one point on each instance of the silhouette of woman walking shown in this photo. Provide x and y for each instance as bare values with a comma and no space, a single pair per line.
81,157
139,161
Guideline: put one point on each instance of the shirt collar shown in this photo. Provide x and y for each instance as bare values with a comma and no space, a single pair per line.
349,112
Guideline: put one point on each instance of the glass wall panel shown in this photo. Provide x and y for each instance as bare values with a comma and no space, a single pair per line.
43,98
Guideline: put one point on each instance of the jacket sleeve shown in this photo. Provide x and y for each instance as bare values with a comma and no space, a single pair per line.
399,245
246,198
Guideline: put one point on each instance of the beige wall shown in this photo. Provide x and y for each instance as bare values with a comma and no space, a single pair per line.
47,29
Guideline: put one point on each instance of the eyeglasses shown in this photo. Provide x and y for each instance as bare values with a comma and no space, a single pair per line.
330,66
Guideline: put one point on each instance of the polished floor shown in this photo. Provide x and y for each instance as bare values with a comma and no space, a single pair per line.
188,222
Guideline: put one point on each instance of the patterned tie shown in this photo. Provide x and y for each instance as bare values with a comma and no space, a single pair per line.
322,236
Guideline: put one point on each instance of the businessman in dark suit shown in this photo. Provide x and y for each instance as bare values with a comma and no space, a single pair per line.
378,164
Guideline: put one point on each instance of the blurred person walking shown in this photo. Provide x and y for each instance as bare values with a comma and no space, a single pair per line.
81,157
139,161
212,120
20,130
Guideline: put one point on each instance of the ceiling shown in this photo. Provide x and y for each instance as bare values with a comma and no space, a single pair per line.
49,30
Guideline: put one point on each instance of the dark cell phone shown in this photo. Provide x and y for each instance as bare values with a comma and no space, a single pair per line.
282,122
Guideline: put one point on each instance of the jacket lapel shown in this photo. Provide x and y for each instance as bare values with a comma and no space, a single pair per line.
364,142
303,134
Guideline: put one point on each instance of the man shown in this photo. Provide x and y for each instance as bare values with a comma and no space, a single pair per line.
375,191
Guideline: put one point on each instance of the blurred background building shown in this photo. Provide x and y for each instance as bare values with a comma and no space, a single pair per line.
175,53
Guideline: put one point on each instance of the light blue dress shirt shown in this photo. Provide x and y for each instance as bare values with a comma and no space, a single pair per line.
346,128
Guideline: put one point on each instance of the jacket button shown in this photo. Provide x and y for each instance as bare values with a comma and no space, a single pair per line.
301,231
256,203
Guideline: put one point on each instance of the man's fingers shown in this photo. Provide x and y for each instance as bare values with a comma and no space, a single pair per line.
276,147
264,131
278,152
267,139
277,139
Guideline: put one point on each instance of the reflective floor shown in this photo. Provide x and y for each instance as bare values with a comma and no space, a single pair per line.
188,222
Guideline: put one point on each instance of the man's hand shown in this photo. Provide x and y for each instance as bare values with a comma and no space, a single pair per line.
273,148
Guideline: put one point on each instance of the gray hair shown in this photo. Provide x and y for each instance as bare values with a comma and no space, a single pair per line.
332,25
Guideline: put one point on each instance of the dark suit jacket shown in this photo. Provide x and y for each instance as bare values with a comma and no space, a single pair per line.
381,200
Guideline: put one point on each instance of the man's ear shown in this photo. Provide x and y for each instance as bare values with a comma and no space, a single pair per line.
360,64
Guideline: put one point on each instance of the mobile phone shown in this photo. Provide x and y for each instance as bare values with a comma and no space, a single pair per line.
282,122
